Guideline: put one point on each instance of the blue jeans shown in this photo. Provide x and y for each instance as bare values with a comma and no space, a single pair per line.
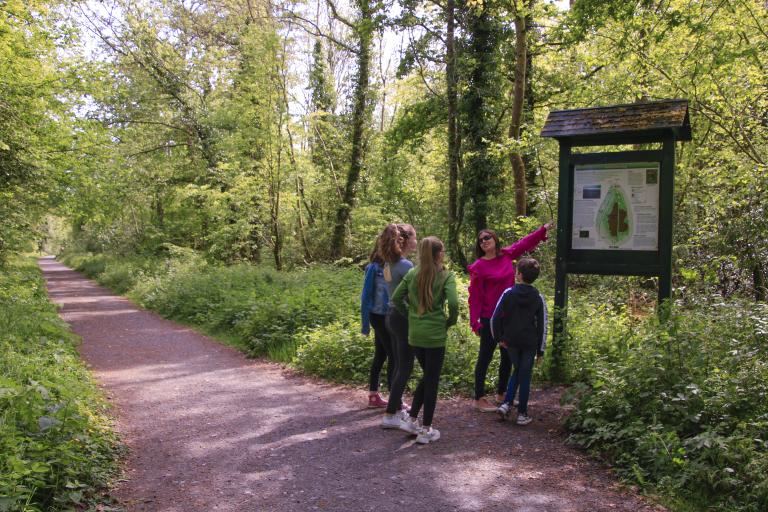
522,361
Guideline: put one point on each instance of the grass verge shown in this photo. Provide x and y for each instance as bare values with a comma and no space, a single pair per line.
58,450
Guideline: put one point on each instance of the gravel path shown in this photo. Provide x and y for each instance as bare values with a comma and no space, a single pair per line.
209,430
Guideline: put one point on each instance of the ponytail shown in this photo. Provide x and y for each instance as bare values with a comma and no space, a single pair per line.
389,245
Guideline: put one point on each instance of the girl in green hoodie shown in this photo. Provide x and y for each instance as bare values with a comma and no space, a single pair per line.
422,295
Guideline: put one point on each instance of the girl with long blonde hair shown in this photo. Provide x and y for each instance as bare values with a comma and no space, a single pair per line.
427,288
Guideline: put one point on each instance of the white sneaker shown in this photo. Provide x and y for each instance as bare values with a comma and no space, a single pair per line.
410,425
523,419
504,410
428,435
390,421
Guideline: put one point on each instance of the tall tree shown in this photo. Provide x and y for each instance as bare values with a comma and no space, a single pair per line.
363,29
454,153
522,15
480,111
35,136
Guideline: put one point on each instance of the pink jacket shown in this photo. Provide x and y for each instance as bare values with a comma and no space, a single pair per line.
489,278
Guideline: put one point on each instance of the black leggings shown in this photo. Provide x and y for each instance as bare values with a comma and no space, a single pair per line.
383,351
484,358
431,362
403,355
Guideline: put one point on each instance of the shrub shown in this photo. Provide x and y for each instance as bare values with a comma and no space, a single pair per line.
337,351
57,449
685,407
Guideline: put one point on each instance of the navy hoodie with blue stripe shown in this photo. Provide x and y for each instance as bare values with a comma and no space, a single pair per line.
520,319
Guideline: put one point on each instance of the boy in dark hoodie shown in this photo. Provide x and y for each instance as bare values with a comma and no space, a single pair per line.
519,324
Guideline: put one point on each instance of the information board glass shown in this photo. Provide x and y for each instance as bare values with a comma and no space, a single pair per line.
616,206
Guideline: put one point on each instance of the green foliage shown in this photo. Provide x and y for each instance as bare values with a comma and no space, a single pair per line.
264,308
308,317
682,406
337,351
33,123
416,120
58,450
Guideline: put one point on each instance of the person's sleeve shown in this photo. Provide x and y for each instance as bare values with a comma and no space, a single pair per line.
475,300
366,299
401,292
453,300
542,319
497,319
525,244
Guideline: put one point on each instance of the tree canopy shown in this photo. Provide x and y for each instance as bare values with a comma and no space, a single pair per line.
292,133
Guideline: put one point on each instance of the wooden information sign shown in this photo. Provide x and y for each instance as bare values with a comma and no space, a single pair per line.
614,208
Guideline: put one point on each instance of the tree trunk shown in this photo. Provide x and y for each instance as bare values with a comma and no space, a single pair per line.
479,128
453,141
254,232
302,232
282,73
159,212
521,61
758,280
529,156
359,121
274,211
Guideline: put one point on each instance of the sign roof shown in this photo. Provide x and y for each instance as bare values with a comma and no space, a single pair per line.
629,119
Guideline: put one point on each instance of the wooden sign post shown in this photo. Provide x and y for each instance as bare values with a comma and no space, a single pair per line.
615,207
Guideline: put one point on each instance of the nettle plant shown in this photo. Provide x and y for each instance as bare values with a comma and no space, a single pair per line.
686,407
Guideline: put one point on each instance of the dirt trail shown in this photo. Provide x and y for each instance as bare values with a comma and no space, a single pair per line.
209,430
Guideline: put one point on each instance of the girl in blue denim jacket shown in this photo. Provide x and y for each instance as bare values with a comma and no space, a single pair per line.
374,302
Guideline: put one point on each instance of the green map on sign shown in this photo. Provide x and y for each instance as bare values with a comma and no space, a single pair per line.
614,219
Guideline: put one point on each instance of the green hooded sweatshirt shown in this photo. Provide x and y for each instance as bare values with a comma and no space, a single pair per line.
430,329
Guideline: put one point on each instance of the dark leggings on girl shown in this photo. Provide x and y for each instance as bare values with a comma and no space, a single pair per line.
484,358
403,355
431,362
383,351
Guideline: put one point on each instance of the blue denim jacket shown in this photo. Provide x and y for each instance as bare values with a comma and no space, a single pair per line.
374,298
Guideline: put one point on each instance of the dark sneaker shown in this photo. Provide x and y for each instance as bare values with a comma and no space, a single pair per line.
504,410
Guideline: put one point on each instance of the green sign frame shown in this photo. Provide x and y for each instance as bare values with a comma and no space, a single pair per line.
661,123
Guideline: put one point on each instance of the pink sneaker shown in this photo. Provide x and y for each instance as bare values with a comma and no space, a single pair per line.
376,402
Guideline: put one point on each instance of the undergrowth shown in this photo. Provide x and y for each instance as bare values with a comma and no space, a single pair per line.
58,452
679,408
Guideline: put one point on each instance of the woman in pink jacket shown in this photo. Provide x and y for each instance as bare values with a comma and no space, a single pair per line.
493,272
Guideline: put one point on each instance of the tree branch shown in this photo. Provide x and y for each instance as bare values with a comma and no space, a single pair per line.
318,32
157,148
339,17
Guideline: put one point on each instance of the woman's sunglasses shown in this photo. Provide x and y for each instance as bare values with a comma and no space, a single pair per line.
485,238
